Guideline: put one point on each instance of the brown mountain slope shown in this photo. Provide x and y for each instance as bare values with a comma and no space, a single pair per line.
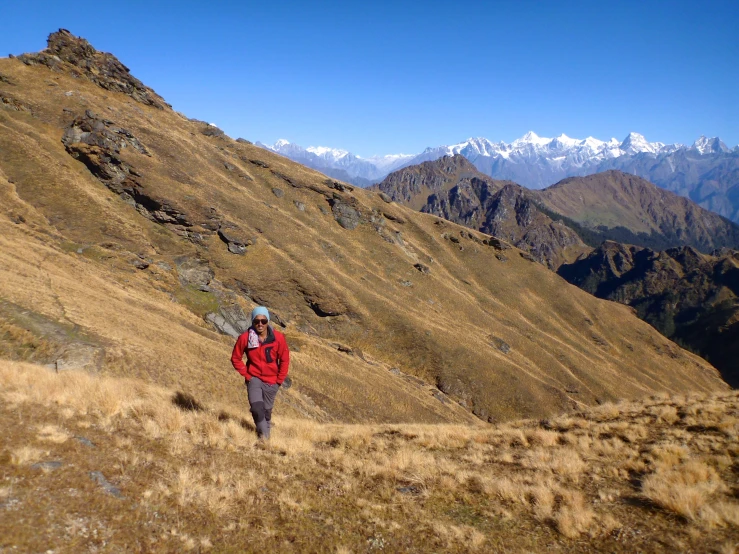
617,203
452,188
125,225
688,296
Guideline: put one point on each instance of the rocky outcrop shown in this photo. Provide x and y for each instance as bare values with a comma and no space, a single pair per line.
689,297
97,143
194,273
74,55
96,131
235,238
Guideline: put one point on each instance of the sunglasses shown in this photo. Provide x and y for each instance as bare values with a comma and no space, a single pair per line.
260,322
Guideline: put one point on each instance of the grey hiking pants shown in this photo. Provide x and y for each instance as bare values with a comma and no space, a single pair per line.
261,399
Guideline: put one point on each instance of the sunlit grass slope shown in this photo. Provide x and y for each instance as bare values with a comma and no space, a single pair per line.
90,463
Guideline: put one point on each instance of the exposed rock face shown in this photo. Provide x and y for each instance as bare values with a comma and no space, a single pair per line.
345,214
65,52
95,131
194,273
509,214
97,143
230,320
688,296
454,190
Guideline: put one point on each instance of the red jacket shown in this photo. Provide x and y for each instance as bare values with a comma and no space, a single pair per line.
269,361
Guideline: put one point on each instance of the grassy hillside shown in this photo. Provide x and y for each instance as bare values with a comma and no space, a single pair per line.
127,228
627,208
105,464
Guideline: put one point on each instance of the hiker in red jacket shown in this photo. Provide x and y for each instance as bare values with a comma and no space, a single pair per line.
267,362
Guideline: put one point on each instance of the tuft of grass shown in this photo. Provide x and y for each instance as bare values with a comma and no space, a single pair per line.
198,302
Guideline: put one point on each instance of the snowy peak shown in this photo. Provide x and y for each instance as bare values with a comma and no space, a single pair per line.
706,145
326,152
636,144
530,160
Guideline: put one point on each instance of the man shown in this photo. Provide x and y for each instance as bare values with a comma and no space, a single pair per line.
267,363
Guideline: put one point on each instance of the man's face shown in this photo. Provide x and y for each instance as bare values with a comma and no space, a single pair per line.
260,323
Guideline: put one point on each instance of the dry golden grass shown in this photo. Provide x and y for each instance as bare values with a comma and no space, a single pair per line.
428,487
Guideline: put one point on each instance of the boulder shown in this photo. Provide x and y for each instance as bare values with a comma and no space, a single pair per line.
235,239
345,215
194,273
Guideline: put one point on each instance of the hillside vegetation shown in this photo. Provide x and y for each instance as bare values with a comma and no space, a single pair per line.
134,239
110,465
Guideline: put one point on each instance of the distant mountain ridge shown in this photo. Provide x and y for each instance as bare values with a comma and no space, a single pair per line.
707,171
557,224
452,188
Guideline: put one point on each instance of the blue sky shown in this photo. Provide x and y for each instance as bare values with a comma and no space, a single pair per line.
388,77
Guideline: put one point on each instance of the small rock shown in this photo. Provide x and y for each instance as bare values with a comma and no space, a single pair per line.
527,256
409,490
164,265
441,397
86,442
279,193
47,466
140,264
243,141
406,283
502,257
395,371
500,344
422,268
455,240
299,205
385,197
100,479
344,349
228,166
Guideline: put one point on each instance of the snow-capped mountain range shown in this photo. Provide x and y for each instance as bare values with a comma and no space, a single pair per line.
531,160
706,171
